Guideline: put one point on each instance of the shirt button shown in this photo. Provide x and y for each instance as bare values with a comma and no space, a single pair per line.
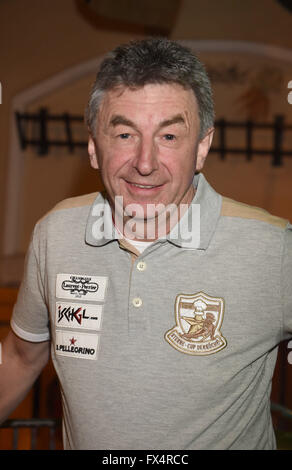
141,266
137,302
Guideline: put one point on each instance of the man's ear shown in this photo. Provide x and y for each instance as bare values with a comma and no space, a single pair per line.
203,148
92,153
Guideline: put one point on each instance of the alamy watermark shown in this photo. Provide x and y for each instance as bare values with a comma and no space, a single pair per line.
290,92
290,353
149,222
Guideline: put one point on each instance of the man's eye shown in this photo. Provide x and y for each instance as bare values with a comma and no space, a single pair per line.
169,137
124,136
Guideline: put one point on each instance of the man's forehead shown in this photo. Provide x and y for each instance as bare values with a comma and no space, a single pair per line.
168,94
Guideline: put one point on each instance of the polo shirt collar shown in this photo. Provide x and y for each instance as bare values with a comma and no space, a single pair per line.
206,205
100,228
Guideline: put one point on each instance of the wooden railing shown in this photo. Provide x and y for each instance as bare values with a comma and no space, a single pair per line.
34,130
33,426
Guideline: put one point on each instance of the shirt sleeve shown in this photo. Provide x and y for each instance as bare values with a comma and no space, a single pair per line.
287,282
30,319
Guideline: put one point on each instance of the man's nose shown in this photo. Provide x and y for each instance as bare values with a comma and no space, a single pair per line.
146,158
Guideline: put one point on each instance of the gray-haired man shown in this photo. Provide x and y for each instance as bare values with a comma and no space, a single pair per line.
116,297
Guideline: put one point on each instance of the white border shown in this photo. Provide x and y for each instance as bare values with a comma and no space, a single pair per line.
15,158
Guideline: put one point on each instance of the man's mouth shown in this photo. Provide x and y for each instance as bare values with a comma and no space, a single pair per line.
145,186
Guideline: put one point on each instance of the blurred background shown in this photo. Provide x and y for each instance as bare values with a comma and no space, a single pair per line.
49,54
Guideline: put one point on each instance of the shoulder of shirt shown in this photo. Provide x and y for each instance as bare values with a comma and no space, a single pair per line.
231,208
86,200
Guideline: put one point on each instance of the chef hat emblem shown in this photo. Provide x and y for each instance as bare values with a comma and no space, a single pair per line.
200,305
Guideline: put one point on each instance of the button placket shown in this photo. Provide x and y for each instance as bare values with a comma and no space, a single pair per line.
137,319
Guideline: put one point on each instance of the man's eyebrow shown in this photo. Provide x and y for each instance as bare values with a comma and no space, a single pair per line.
177,119
117,120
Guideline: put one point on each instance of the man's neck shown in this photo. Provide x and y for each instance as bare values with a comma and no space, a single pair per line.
152,228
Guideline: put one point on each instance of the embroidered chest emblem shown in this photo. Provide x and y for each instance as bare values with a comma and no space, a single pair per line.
198,321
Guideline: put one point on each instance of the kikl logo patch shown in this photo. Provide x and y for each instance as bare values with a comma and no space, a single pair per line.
75,344
198,324
87,317
78,286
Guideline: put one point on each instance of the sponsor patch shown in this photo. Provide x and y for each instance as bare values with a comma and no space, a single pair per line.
79,286
198,321
77,315
75,344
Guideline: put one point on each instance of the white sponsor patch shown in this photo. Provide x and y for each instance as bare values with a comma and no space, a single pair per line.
75,344
81,286
79,315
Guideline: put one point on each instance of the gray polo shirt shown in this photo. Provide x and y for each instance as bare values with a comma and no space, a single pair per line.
173,348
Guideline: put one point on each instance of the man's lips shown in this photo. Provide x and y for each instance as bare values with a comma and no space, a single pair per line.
143,186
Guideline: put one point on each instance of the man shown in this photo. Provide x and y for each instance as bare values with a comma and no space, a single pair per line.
110,279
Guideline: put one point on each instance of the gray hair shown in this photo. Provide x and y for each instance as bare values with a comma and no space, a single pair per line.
152,61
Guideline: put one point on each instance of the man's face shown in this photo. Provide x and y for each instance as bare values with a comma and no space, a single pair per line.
146,145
